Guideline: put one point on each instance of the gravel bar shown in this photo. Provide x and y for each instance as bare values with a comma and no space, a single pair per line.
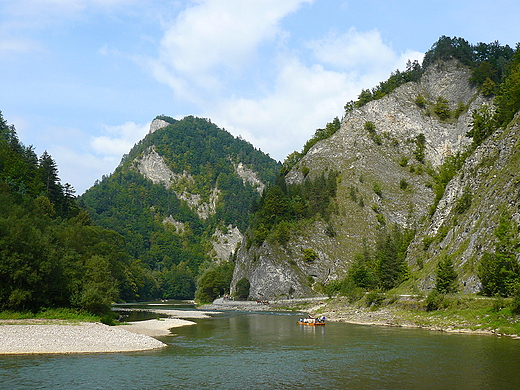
84,337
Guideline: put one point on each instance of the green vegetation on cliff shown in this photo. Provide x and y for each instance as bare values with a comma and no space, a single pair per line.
372,151
488,62
283,205
320,134
127,238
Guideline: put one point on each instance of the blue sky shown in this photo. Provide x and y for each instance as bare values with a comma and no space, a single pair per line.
82,79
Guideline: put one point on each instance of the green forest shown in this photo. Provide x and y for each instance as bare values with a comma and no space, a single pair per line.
109,245
51,253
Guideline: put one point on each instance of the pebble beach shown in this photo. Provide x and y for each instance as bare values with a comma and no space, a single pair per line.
84,337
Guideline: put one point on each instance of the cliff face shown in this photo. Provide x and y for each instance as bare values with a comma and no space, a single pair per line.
154,168
383,180
490,183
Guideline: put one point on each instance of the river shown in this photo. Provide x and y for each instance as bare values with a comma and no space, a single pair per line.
238,350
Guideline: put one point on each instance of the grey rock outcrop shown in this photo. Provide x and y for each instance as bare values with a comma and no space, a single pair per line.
389,163
180,227
153,167
157,124
490,180
226,243
249,176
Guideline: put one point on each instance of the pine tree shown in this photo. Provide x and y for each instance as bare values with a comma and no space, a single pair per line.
446,277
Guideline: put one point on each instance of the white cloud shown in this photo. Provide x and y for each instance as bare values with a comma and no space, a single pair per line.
353,49
81,169
120,139
410,55
305,98
216,35
210,43
99,157
18,46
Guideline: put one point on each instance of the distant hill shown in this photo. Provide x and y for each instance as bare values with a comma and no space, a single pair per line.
181,198
415,189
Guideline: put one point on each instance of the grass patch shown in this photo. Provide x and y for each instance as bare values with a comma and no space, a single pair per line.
51,314
472,313
455,312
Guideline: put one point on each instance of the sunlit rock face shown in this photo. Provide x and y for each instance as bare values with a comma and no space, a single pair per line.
391,161
157,124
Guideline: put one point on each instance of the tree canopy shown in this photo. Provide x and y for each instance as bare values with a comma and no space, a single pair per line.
50,252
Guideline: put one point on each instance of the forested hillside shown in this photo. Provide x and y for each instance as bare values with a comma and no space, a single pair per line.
181,198
51,254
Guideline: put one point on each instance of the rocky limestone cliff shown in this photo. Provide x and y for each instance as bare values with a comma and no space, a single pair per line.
225,243
276,271
490,179
249,176
153,167
180,227
157,124
382,181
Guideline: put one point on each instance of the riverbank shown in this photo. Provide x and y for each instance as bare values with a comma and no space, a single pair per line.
473,315
272,305
455,314
48,336
82,337
162,326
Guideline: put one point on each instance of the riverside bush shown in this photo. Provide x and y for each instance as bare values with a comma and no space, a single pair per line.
515,304
435,301
374,299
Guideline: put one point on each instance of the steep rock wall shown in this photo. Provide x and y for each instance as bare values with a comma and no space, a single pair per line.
390,164
153,167
491,177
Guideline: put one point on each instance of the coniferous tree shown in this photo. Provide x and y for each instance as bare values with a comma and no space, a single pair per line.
446,277
499,272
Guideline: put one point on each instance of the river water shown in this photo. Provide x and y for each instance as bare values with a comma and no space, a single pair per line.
238,350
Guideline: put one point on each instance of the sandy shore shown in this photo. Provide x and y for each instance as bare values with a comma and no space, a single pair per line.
77,338
171,313
155,328
55,336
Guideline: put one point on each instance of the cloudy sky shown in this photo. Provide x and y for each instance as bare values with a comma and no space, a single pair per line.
82,79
